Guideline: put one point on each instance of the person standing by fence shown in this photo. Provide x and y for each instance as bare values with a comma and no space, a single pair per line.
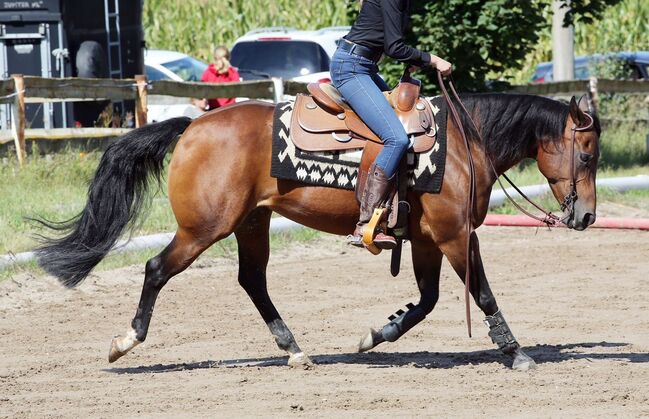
220,71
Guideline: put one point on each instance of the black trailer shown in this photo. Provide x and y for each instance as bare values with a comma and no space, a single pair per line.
69,38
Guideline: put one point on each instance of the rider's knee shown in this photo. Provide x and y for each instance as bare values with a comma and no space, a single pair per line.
402,141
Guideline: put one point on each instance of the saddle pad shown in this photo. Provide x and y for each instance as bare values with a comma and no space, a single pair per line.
339,169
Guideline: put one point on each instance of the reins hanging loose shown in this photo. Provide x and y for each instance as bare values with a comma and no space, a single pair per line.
470,196
549,218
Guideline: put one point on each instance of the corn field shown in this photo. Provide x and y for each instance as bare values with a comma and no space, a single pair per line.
196,26
624,27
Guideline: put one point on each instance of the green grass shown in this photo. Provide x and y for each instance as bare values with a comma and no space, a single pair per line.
54,187
528,174
224,249
636,199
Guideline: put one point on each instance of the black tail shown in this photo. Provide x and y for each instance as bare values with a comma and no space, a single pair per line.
115,197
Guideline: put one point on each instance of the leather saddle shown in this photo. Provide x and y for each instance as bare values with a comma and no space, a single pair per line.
323,121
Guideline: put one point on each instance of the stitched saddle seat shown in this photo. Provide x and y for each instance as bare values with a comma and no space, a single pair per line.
323,121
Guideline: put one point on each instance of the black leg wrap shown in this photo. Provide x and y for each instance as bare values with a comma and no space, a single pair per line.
501,334
401,322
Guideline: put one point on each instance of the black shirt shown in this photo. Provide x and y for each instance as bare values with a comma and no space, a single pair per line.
381,26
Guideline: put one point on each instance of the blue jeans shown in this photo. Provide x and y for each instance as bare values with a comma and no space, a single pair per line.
357,78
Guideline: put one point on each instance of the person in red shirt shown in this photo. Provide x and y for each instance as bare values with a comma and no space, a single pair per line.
219,72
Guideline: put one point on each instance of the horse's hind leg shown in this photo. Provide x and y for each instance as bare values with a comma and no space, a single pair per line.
175,258
253,242
427,261
499,330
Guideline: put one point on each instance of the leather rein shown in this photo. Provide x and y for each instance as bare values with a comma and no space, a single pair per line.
548,218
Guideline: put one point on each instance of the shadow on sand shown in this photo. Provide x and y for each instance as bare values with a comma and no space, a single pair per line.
540,353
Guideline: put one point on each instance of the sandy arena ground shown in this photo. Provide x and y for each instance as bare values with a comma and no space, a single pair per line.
577,302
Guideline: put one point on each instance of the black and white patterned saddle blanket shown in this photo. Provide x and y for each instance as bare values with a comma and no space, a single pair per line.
339,169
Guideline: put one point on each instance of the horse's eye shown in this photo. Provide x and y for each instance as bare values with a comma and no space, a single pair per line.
585,157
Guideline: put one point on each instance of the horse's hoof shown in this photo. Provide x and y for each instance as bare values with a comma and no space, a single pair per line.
120,346
114,354
300,360
367,341
522,362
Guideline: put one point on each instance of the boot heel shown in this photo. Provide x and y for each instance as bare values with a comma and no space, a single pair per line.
385,242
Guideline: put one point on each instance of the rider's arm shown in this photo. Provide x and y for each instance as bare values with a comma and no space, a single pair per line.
394,18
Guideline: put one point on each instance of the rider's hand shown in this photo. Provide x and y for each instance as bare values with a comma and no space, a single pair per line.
442,65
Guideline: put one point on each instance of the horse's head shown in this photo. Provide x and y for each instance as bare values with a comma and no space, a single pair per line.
570,165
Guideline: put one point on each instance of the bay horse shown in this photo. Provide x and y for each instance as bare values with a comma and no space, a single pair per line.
219,183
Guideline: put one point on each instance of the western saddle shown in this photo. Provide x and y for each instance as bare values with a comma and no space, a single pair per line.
323,121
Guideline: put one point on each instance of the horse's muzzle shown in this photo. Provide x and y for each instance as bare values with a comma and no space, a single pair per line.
579,221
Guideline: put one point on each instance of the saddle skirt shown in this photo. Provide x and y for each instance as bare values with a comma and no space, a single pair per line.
322,121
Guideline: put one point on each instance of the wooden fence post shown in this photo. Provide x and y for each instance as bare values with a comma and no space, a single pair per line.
18,118
141,101
593,93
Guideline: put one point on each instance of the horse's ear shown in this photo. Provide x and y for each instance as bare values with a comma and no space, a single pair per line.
576,113
583,103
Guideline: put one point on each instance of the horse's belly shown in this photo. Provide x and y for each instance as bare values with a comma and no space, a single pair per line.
326,209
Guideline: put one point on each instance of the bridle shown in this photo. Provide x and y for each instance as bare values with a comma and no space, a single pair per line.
548,218
570,199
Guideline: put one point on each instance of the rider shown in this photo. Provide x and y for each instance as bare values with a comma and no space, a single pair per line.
379,29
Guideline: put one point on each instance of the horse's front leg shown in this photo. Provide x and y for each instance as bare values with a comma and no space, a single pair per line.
499,330
427,260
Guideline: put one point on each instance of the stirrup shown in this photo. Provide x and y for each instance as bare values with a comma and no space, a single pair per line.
356,241
370,229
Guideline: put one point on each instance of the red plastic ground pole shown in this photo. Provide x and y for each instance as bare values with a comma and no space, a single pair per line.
525,221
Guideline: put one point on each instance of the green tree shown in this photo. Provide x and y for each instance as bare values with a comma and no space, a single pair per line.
482,38
586,11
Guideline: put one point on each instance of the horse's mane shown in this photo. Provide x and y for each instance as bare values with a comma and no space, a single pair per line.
512,124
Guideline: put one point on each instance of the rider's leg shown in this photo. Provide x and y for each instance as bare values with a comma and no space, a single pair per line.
355,78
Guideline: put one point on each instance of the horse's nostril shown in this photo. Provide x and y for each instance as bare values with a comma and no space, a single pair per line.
589,219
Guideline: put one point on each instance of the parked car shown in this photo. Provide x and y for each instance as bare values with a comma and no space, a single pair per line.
638,63
287,53
175,66
171,65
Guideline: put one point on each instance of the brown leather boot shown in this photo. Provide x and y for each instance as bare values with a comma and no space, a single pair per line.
376,191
